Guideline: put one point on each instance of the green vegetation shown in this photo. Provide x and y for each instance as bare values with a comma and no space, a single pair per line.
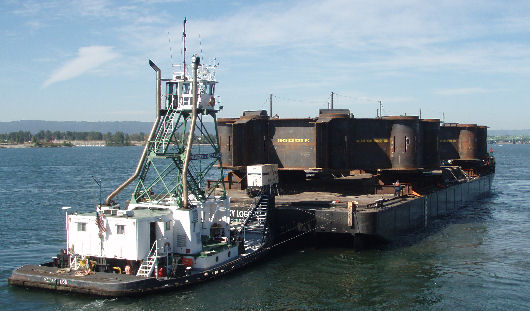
117,139
48,144
58,139
55,139
19,137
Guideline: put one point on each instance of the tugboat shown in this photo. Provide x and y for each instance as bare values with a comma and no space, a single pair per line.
176,229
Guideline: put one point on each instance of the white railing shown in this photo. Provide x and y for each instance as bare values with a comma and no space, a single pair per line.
147,266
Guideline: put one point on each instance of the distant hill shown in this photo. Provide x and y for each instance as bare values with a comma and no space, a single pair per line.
508,132
35,126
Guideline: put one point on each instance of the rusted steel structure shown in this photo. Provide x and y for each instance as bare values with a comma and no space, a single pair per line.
348,170
370,137
448,142
463,142
467,141
482,142
431,136
406,149
336,141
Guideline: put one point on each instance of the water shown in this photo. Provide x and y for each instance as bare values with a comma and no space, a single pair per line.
477,259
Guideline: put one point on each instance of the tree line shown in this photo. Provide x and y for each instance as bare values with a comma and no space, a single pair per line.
507,139
110,139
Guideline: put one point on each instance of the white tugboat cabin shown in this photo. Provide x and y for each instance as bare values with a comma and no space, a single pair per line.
198,237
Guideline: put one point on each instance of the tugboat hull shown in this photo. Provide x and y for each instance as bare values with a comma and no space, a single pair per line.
116,285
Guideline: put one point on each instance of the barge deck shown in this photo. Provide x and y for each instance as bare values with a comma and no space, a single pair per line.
377,217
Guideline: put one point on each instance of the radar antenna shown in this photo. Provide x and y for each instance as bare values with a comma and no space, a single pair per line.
184,49
170,49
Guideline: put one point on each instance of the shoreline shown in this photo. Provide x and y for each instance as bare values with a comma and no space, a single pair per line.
102,144
73,144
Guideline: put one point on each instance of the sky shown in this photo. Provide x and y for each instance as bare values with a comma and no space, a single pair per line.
87,60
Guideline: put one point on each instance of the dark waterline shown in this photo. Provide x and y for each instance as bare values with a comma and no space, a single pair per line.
476,259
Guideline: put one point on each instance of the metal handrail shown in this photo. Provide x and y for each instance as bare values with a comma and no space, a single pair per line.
155,249
252,211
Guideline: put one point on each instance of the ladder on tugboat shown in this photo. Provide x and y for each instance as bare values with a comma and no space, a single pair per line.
148,265
165,131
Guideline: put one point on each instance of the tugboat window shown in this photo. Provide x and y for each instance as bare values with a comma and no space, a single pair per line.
167,225
185,88
209,89
120,229
172,89
81,226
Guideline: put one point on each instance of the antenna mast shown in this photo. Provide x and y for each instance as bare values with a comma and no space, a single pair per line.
170,50
184,51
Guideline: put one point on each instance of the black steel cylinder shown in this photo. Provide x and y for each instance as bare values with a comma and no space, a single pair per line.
332,140
224,130
405,142
467,141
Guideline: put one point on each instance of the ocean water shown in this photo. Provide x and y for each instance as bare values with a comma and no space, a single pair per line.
476,259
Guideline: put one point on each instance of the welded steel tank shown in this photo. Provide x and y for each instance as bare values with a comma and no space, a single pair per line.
333,131
431,132
243,141
250,139
482,142
292,143
467,141
405,142
448,142
370,144
226,145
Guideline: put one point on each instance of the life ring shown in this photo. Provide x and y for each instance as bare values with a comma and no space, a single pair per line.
212,101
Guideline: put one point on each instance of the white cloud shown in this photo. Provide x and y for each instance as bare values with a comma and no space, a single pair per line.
34,24
88,58
463,91
381,35
127,112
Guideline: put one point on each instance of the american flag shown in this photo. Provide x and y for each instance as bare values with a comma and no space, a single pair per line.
101,223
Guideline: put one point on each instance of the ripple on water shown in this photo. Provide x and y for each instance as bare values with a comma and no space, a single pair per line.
476,259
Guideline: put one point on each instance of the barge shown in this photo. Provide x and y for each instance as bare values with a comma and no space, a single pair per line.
339,174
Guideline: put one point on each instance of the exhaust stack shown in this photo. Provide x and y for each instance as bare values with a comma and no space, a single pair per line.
149,139
196,63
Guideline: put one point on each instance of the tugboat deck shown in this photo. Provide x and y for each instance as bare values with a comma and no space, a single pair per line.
97,283
67,274
115,284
